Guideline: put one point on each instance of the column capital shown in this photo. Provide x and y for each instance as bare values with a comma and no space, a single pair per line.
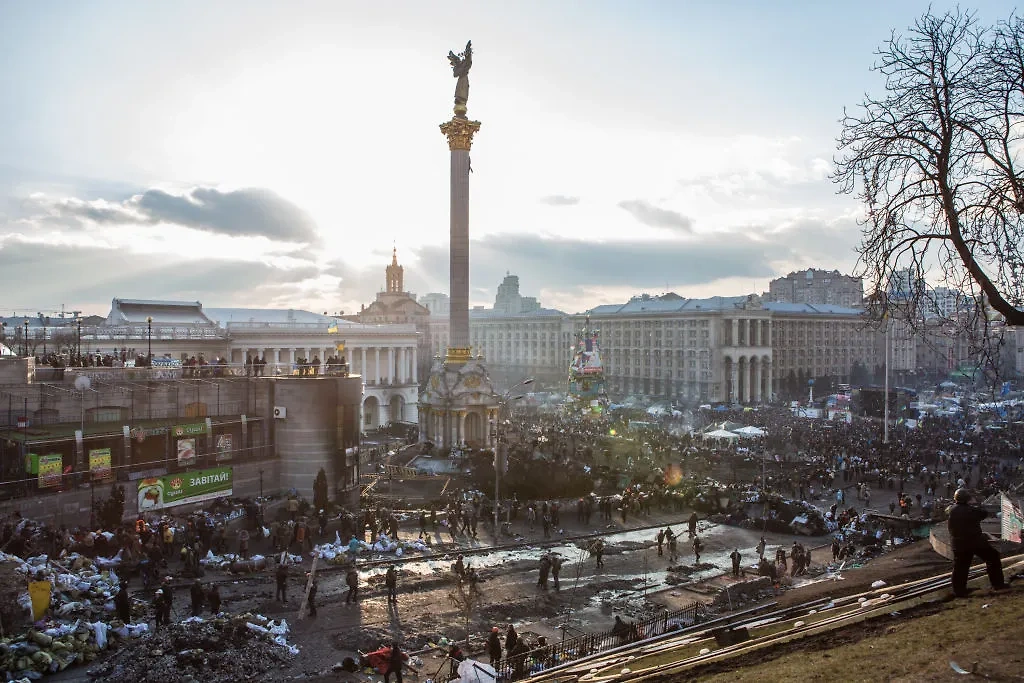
459,132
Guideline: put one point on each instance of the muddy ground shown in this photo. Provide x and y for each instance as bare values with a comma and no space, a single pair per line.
635,583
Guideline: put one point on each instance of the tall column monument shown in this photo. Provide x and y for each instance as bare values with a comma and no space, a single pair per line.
459,131
459,398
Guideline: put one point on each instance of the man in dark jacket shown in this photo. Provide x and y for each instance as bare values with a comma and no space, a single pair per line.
123,604
494,645
198,597
968,540
395,663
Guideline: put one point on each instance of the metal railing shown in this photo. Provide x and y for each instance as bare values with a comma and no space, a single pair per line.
571,649
208,371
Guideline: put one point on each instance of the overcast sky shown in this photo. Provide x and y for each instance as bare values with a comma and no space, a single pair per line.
248,153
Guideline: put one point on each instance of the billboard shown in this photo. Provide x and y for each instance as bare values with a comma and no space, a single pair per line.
50,469
99,464
156,493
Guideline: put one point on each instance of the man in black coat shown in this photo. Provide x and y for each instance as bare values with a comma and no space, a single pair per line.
968,540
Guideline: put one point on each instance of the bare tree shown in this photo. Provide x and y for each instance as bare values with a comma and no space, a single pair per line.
935,161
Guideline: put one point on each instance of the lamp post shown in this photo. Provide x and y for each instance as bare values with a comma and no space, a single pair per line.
25,337
45,322
3,331
498,460
149,339
79,345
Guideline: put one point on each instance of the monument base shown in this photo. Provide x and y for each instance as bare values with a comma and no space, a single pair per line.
459,406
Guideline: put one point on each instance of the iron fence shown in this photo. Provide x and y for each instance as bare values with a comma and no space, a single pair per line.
571,649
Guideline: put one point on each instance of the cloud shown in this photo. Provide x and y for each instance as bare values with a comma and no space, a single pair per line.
561,263
559,200
244,212
90,277
656,217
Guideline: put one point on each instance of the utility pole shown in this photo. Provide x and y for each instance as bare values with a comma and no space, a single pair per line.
888,353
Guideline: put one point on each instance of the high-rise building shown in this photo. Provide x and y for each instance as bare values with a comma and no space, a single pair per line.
509,301
813,286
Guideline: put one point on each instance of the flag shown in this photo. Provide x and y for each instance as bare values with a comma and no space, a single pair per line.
332,328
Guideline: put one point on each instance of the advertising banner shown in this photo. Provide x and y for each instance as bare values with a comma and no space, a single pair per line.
50,469
169,490
225,444
186,452
190,429
99,464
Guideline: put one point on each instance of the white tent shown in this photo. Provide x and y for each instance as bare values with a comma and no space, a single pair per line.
721,434
750,431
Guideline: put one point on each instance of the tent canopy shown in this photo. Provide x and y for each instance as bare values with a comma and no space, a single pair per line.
750,431
721,434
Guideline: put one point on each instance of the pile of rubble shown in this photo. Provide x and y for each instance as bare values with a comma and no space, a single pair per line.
340,552
220,649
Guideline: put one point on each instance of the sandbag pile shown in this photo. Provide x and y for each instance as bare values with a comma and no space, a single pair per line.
340,553
60,645
219,649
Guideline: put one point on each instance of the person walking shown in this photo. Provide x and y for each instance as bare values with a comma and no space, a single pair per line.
158,608
395,663
213,597
494,645
556,566
735,557
198,597
697,547
391,582
660,538
598,550
123,603
311,598
760,548
282,582
352,581
969,540
545,567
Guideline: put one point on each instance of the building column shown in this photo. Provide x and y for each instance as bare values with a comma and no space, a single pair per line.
768,380
415,366
391,365
400,364
757,382
362,363
462,426
376,366
768,341
735,341
734,390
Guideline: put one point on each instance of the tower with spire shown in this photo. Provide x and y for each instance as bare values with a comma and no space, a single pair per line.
394,275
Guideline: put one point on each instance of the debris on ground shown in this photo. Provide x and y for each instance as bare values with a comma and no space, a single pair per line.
221,649
340,552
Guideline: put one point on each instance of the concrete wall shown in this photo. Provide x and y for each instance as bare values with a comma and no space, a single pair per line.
321,420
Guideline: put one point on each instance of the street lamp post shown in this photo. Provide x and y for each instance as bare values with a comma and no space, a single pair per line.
498,461
25,337
47,320
79,346
149,339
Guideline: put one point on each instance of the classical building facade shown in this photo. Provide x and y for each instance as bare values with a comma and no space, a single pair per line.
385,355
395,306
820,340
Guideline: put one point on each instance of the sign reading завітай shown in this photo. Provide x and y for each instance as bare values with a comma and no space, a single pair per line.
169,490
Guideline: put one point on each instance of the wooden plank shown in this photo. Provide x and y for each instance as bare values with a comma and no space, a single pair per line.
305,596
